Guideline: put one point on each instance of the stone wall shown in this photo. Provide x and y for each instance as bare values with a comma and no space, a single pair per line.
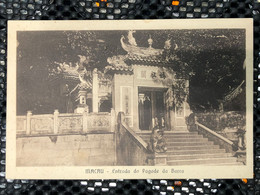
131,148
66,150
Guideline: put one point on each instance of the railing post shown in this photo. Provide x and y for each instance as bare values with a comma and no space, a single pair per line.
113,120
121,117
56,121
241,139
113,129
95,91
195,121
85,120
28,122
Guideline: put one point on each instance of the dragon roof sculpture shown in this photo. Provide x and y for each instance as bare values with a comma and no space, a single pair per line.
133,50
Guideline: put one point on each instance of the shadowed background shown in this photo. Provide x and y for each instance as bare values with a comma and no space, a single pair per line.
215,61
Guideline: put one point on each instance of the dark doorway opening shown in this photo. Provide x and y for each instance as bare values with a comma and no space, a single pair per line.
151,108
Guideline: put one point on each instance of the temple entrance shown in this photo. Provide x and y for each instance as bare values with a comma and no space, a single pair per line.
151,108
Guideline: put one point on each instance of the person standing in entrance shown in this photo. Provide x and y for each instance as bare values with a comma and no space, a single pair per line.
147,113
141,111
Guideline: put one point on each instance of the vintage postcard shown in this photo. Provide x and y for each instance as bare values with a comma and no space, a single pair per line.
137,99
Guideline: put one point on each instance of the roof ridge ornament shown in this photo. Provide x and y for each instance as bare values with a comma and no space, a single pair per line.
131,38
150,41
167,44
136,51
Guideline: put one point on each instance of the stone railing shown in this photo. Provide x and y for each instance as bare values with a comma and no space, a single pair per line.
215,137
131,149
69,123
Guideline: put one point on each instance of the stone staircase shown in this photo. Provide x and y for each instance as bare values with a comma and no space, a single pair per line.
190,148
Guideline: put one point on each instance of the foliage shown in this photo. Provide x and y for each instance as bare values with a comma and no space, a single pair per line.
219,121
212,60
168,78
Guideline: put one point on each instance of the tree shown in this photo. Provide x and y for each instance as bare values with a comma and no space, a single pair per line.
215,61
212,60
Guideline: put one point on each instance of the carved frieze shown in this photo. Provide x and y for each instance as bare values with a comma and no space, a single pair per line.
99,122
70,124
42,125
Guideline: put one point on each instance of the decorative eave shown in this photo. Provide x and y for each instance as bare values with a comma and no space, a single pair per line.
85,86
151,62
118,70
64,76
69,77
141,59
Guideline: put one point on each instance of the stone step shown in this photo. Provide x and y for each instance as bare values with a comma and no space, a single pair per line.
198,156
202,161
204,143
198,140
174,136
205,151
223,164
173,148
170,134
173,139
184,136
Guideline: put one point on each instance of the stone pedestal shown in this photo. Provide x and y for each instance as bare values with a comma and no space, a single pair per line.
160,159
81,108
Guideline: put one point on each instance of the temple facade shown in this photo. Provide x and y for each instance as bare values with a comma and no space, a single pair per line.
141,83
143,87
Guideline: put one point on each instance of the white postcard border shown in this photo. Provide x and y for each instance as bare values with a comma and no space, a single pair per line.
81,172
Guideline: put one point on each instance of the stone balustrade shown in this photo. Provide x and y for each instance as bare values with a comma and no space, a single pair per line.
215,137
130,148
65,123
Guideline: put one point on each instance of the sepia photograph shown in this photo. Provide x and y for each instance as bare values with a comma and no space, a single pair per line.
130,99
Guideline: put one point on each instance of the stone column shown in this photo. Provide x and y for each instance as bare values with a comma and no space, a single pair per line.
28,122
55,121
95,91
113,120
172,119
153,107
85,120
187,104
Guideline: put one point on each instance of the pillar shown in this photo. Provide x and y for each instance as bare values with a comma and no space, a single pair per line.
153,104
85,120
28,122
56,121
113,120
95,91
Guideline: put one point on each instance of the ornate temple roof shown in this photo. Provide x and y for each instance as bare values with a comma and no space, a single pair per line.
141,55
73,74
